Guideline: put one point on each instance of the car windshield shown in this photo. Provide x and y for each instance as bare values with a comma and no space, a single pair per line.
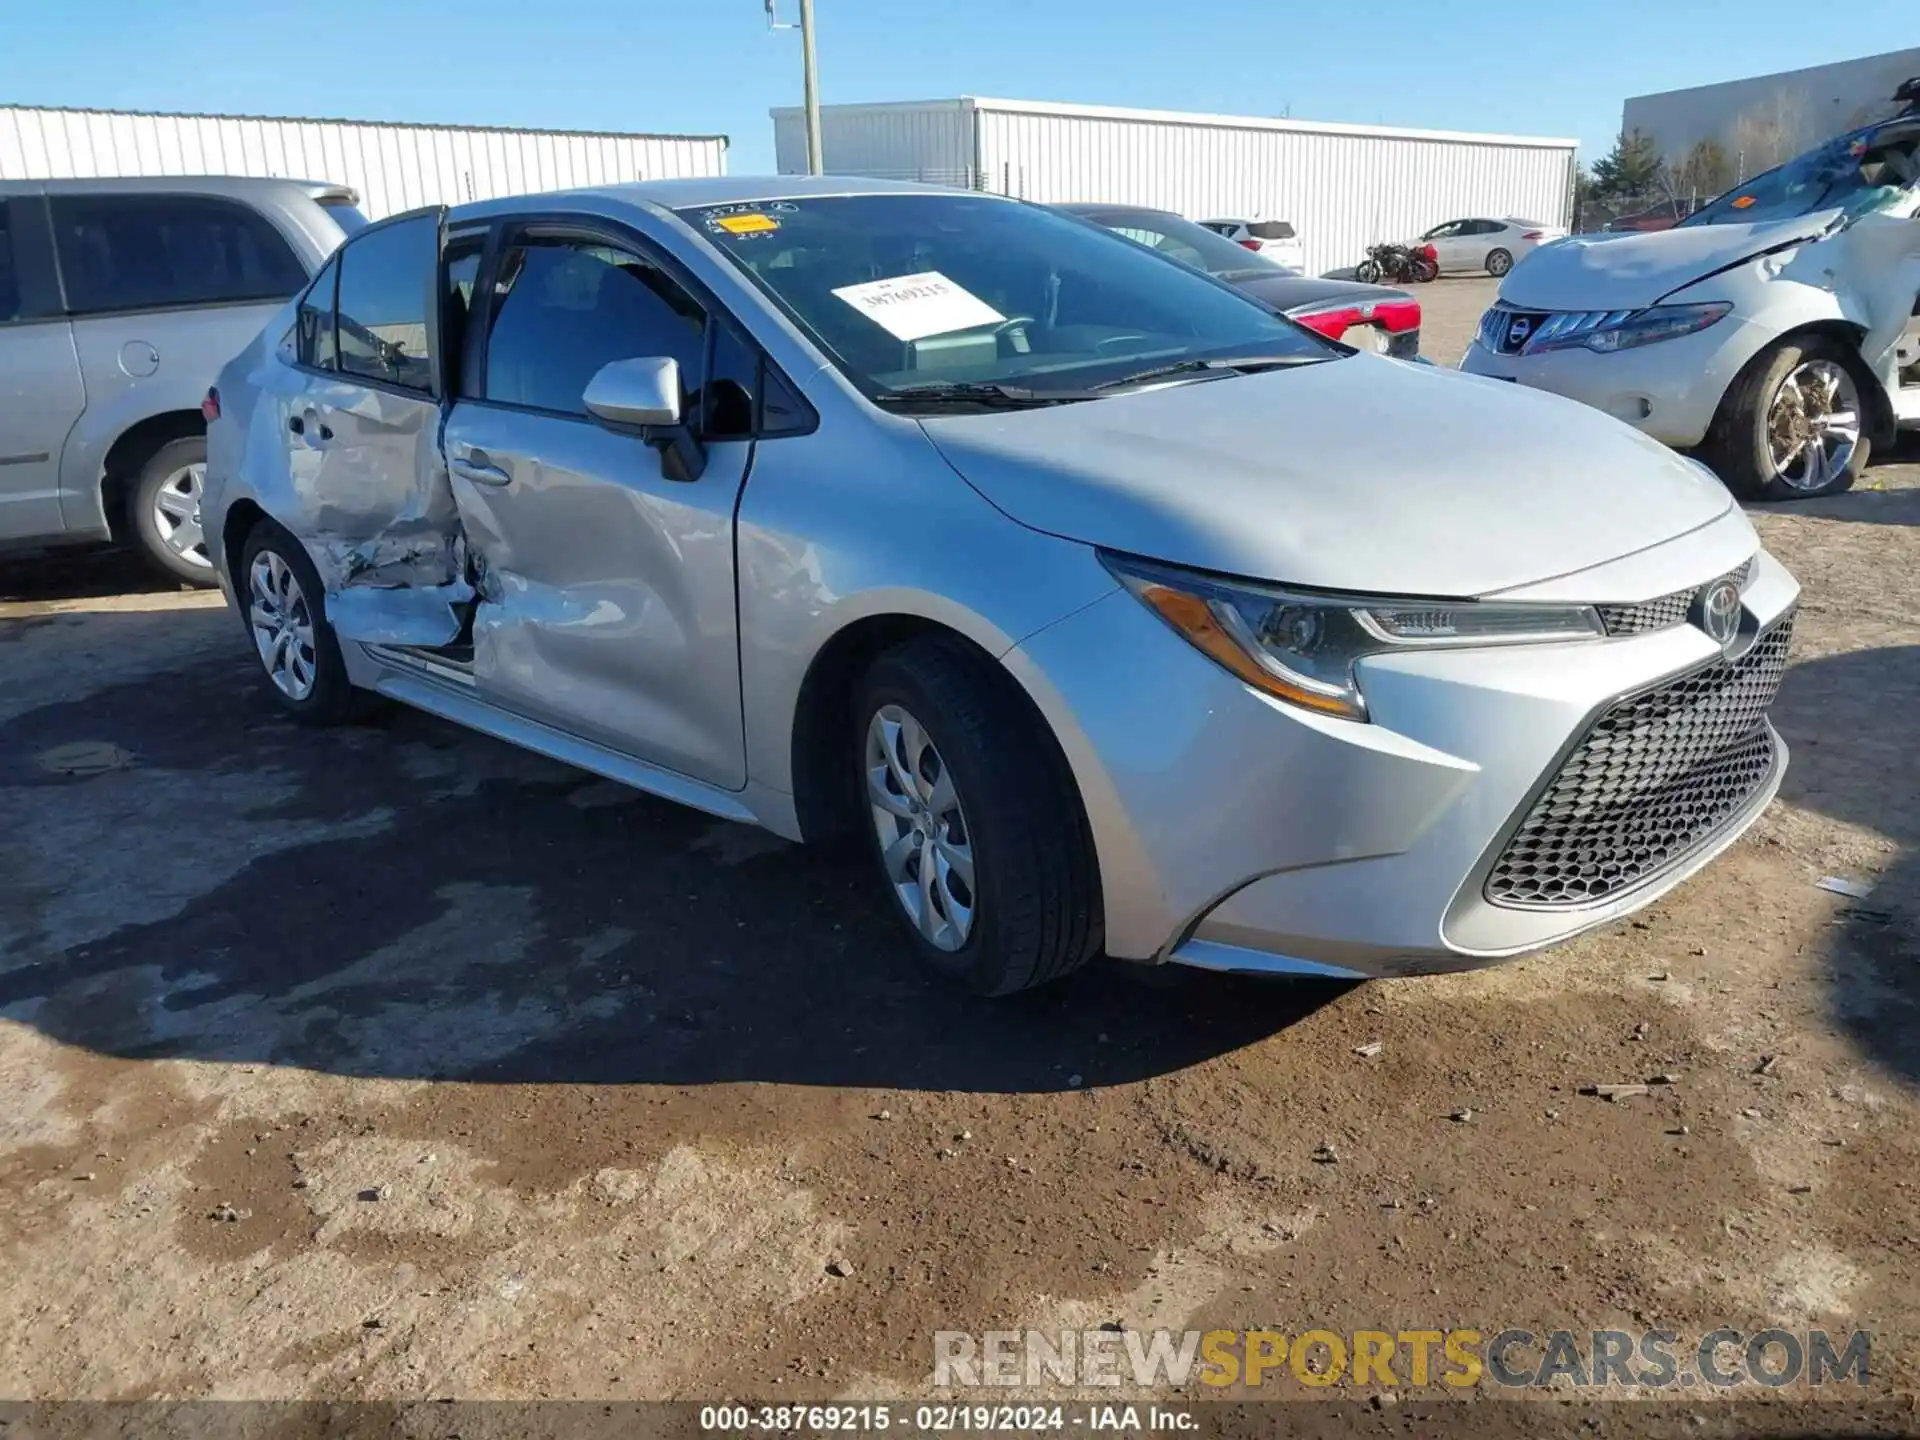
914,294
1859,173
1186,242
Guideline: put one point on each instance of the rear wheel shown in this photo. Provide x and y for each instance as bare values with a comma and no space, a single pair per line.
284,607
1498,263
163,511
1424,270
1792,427
977,829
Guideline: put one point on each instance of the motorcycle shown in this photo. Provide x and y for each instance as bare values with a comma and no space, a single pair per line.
1398,263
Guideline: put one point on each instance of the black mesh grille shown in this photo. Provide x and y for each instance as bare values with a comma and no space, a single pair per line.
1654,777
1667,610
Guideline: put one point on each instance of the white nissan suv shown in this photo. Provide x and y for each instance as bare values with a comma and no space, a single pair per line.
1777,329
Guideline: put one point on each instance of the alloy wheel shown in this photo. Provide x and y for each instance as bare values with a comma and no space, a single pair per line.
176,513
926,848
1813,425
282,625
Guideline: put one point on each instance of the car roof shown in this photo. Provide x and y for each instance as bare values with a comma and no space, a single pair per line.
716,190
234,185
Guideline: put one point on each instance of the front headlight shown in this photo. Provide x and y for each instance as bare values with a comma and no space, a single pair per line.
1610,330
1302,648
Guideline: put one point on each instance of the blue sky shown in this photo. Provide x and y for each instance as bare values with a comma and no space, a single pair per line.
1550,67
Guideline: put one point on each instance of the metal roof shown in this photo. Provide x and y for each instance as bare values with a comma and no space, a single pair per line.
1199,118
363,120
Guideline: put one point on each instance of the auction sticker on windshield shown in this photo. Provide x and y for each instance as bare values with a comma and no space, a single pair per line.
750,223
912,307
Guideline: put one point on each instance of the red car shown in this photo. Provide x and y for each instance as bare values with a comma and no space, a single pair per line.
1368,317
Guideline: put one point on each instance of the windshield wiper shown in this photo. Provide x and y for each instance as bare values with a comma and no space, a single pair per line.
980,392
1237,364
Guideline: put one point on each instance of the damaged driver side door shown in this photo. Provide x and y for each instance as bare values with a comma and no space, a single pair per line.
603,561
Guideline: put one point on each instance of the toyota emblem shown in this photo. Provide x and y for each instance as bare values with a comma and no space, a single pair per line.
1720,613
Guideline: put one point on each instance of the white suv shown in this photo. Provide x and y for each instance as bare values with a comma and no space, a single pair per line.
1274,240
1778,329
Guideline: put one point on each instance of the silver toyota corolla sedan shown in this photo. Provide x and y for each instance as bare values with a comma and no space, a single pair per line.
1112,609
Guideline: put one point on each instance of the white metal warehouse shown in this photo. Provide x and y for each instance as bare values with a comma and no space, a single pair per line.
394,167
1343,186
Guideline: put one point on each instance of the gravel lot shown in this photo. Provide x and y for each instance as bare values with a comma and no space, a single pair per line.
506,1082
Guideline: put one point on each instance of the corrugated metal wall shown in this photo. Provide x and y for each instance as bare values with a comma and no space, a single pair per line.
394,167
1344,187
1342,191
930,141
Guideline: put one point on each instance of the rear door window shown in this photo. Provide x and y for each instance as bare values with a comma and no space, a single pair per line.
564,307
146,252
387,275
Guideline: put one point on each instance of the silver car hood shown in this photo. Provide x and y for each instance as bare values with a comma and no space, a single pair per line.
1624,272
1357,474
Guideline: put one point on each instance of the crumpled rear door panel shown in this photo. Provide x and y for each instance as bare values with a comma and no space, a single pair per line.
371,499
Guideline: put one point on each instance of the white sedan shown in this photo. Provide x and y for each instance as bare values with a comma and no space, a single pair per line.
1490,247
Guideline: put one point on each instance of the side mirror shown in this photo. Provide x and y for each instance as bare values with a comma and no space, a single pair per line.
636,394
644,395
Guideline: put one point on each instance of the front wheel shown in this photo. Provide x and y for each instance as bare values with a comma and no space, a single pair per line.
977,829
1498,263
1791,428
1367,272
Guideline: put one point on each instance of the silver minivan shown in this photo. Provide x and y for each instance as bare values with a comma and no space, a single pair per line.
120,300
1110,608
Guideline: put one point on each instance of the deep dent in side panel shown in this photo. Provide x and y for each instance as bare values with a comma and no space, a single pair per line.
376,513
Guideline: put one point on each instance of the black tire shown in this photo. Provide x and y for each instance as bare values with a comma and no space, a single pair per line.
1739,446
1367,272
161,467
1037,911
1424,271
333,700
1499,262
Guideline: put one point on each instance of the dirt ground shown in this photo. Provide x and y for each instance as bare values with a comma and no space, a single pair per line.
391,1062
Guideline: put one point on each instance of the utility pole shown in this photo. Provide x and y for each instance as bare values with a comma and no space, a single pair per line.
816,162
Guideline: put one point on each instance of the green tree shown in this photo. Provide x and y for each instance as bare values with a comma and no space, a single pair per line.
1632,167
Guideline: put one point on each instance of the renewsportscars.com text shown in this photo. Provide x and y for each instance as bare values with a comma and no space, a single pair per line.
1454,1359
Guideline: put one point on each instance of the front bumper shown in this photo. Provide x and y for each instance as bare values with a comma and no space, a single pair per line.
1238,833
1670,390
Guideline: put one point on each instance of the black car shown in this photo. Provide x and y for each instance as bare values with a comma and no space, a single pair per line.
1369,317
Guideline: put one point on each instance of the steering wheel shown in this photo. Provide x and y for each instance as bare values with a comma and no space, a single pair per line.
1013,324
